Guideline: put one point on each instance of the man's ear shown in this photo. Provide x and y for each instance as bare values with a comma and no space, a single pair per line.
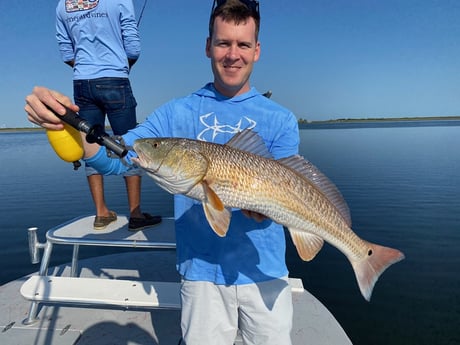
208,47
257,52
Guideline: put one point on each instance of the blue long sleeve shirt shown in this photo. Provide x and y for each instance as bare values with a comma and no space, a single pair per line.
251,251
99,36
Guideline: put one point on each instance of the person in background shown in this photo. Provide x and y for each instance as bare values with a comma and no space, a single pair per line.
100,40
240,281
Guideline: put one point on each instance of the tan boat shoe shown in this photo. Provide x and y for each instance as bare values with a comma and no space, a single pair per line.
101,222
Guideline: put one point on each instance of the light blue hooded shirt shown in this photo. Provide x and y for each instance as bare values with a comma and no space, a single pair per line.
99,35
251,251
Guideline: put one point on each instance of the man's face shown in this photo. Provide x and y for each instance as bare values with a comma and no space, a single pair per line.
233,49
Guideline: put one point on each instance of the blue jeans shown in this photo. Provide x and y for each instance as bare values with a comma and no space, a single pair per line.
107,96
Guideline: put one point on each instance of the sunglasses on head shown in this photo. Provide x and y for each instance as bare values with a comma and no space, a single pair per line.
253,5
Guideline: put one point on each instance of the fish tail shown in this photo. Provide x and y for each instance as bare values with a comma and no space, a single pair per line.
369,269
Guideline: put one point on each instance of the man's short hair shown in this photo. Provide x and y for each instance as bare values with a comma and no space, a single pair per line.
235,11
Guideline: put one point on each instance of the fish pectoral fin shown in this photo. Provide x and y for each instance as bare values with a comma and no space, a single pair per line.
217,214
219,220
307,245
211,196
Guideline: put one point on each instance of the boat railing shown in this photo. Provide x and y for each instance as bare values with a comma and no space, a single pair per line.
79,232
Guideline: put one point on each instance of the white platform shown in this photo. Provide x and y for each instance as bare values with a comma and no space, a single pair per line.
102,292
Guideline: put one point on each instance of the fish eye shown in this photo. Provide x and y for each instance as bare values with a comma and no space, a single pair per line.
369,253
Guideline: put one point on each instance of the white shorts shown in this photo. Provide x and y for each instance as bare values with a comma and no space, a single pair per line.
212,314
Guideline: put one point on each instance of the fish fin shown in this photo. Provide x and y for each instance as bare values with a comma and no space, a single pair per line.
321,181
307,245
217,214
250,141
368,270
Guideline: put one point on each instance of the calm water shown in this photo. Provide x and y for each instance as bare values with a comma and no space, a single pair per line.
403,188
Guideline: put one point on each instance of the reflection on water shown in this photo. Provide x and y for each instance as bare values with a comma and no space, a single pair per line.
403,189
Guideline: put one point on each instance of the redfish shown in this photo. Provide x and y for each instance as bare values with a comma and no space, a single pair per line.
290,191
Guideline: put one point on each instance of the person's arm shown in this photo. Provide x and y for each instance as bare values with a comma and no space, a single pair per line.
66,47
130,32
288,139
103,163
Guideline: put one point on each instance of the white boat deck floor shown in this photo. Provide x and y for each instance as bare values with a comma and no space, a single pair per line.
63,324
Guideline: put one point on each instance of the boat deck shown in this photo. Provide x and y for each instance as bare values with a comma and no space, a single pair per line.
84,325
65,324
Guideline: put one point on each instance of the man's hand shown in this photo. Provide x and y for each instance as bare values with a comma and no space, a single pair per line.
38,102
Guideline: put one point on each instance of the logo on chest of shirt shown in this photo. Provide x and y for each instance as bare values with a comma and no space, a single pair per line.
80,5
214,128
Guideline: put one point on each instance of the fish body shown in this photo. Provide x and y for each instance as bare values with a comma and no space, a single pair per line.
291,191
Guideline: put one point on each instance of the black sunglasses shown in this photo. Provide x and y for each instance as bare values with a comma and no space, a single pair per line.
253,5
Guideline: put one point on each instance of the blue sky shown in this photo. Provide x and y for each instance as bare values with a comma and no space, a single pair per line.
323,59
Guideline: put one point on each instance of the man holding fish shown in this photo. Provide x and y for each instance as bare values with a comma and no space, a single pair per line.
232,261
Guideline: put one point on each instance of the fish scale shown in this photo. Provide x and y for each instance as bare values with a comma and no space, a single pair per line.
286,199
291,192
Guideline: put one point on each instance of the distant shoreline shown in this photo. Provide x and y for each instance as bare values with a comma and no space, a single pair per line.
302,122
379,122
384,119
25,129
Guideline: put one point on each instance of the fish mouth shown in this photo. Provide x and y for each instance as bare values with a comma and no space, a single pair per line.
143,158
142,161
